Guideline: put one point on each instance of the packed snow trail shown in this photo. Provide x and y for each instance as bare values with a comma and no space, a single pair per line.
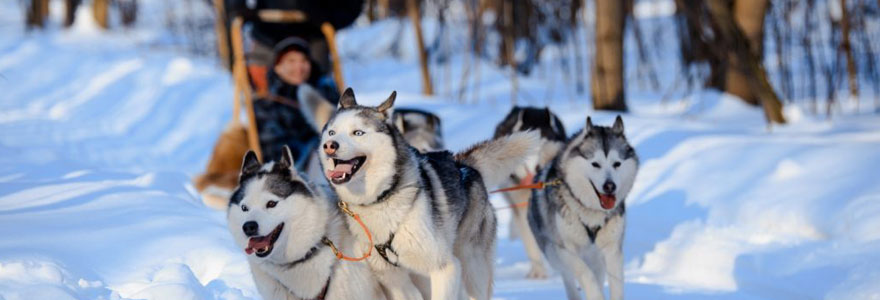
99,137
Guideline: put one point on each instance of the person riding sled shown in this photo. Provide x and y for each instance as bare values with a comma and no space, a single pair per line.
289,77
283,119
264,34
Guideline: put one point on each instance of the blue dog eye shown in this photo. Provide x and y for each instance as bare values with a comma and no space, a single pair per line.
331,132
358,132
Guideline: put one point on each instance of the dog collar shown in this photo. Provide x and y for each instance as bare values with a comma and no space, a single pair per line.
311,253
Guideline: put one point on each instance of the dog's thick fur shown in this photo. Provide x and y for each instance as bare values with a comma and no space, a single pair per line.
421,129
552,139
429,213
576,227
299,264
221,174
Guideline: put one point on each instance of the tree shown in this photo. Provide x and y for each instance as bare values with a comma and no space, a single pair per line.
36,13
729,36
100,10
606,81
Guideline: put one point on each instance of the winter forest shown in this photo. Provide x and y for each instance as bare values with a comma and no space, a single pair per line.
754,125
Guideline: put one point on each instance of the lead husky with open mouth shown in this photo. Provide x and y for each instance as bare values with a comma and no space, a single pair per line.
578,219
287,226
429,213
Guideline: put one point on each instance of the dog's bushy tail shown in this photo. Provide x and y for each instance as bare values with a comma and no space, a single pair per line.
497,159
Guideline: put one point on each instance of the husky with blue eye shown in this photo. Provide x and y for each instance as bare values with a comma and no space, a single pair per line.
286,226
428,213
578,219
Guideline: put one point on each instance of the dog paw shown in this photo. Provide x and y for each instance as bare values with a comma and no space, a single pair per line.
537,272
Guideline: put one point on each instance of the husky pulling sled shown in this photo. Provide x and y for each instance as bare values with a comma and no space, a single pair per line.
291,230
429,213
579,223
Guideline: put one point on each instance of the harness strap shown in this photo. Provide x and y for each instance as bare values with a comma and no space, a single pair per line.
383,248
540,185
307,256
339,255
592,232
533,186
323,294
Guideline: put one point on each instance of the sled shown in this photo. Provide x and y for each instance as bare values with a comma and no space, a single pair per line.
221,174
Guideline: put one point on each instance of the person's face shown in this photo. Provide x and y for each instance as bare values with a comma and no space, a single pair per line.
293,67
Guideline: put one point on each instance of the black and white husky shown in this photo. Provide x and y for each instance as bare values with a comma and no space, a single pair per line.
578,219
552,139
286,226
421,129
429,213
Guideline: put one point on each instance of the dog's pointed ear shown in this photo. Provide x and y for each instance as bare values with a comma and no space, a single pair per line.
589,124
617,128
388,103
250,165
286,160
347,99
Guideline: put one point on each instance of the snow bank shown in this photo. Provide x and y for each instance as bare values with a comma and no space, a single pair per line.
98,145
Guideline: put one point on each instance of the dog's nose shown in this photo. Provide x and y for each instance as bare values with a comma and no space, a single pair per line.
250,228
330,147
609,187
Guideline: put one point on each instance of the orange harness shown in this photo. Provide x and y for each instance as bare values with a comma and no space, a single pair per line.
522,186
527,184
339,255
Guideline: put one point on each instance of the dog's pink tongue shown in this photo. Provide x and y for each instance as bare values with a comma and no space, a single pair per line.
340,170
607,201
256,243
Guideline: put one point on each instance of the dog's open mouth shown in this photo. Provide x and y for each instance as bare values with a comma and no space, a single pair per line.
263,245
343,170
605,200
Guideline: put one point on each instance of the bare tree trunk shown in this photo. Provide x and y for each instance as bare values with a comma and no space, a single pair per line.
508,47
606,81
36,13
100,12
747,63
44,10
222,34
127,11
413,9
70,7
846,47
371,10
749,16
384,9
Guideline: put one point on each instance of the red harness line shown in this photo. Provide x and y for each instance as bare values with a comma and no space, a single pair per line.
526,184
339,255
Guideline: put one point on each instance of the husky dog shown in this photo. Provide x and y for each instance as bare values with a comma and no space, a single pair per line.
578,219
552,139
286,226
421,129
429,213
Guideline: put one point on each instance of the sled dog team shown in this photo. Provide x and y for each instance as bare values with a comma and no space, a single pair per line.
400,219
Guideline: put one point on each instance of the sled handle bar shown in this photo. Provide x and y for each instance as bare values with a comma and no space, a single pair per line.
282,16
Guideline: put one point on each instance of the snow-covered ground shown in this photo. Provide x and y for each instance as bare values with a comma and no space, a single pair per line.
99,137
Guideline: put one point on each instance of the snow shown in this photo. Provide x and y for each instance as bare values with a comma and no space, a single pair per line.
99,138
